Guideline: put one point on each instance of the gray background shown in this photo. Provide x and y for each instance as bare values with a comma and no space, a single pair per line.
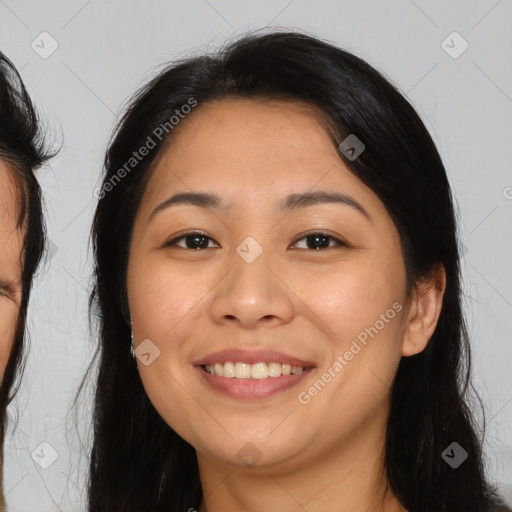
107,49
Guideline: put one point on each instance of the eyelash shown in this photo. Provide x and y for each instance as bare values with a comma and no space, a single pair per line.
340,243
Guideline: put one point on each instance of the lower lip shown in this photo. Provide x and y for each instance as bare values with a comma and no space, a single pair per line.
249,389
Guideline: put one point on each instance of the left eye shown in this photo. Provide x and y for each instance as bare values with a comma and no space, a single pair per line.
315,241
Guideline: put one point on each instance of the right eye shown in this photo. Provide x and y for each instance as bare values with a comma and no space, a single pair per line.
5,290
193,240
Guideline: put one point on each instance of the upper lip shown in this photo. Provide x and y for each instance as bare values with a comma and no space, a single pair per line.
234,355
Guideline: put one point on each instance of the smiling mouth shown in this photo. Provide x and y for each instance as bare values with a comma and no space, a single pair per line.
257,371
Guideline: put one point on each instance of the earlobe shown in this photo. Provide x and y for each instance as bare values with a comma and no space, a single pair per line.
424,311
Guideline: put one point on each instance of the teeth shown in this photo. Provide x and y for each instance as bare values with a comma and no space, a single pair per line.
242,371
252,371
228,370
274,369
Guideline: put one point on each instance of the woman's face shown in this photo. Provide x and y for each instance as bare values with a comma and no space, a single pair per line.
255,282
11,240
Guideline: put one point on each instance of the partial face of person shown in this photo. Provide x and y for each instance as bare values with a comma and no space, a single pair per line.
288,262
11,240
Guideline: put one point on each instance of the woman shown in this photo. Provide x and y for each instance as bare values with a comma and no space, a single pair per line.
275,235
22,230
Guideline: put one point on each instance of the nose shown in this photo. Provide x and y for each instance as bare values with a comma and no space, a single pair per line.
253,294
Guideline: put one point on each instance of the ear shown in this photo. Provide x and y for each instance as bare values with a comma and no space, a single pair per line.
423,311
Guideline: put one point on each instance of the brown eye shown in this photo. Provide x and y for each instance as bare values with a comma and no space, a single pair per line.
192,241
320,240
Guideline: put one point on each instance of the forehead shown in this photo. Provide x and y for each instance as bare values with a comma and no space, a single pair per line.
251,128
9,209
8,189
253,153
251,144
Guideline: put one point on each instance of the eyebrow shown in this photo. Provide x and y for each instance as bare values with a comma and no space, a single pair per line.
289,203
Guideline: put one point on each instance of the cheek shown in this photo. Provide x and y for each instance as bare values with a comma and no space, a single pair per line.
362,307
353,296
8,313
162,296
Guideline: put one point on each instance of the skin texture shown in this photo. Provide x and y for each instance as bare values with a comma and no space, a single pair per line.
11,240
306,302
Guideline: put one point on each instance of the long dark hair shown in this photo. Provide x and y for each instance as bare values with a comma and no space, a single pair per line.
23,150
137,461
